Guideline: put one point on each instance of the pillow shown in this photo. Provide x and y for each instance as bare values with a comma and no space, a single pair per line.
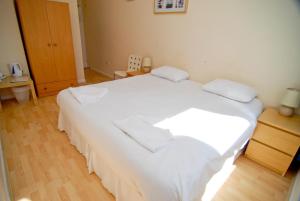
170,73
231,90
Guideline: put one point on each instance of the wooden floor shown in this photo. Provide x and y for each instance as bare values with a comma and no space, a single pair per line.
93,77
42,164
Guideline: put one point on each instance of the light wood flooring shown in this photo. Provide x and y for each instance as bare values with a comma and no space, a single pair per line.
93,77
43,165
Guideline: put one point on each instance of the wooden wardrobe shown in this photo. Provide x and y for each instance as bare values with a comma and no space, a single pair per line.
47,34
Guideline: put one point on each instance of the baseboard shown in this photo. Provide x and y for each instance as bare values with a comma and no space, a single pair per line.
81,81
294,193
106,74
5,191
6,96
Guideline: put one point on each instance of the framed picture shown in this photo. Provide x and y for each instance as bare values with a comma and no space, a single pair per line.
170,6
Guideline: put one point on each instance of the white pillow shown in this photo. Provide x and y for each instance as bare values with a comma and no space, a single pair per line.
231,90
170,73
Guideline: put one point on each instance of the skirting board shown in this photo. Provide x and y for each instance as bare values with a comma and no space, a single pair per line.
81,81
294,194
106,74
7,97
6,94
5,191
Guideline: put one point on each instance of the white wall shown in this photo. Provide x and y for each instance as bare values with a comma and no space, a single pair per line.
11,46
255,42
81,23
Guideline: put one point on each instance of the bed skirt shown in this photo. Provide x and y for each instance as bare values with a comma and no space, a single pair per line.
112,181
109,178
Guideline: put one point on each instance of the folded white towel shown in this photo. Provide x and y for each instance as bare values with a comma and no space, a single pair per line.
88,94
145,134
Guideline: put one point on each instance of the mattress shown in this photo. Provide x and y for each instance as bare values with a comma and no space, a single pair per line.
207,129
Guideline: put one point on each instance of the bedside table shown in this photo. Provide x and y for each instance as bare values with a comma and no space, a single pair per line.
10,82
275,141
135,73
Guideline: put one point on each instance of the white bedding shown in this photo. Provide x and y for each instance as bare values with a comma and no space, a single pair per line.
144,133
208,129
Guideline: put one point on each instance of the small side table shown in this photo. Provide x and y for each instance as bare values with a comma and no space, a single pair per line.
275,141
135,73
8,83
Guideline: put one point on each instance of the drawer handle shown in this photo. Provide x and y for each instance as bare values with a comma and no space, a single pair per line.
45,88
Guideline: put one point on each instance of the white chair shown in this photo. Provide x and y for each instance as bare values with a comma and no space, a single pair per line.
134,64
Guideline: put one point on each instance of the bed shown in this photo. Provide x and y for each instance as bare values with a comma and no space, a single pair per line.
208,130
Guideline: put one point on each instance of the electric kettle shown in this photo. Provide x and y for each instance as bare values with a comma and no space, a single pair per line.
16,70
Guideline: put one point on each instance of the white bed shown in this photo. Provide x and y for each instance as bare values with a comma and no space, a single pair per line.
209,129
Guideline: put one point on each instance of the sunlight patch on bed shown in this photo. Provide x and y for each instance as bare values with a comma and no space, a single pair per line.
216,130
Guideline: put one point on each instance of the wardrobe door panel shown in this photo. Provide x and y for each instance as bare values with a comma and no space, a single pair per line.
62,41
37,38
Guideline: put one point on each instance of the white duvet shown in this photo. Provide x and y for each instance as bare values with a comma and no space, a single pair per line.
207,128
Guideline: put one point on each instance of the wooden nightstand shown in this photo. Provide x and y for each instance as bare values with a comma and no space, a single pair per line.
135,73
275,141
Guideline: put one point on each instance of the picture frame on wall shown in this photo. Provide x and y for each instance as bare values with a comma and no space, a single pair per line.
170,6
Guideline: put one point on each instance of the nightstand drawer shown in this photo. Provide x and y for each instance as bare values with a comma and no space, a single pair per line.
268,157
276,138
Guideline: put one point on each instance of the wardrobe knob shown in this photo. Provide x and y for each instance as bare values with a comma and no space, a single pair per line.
49,44
54,44
45,88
